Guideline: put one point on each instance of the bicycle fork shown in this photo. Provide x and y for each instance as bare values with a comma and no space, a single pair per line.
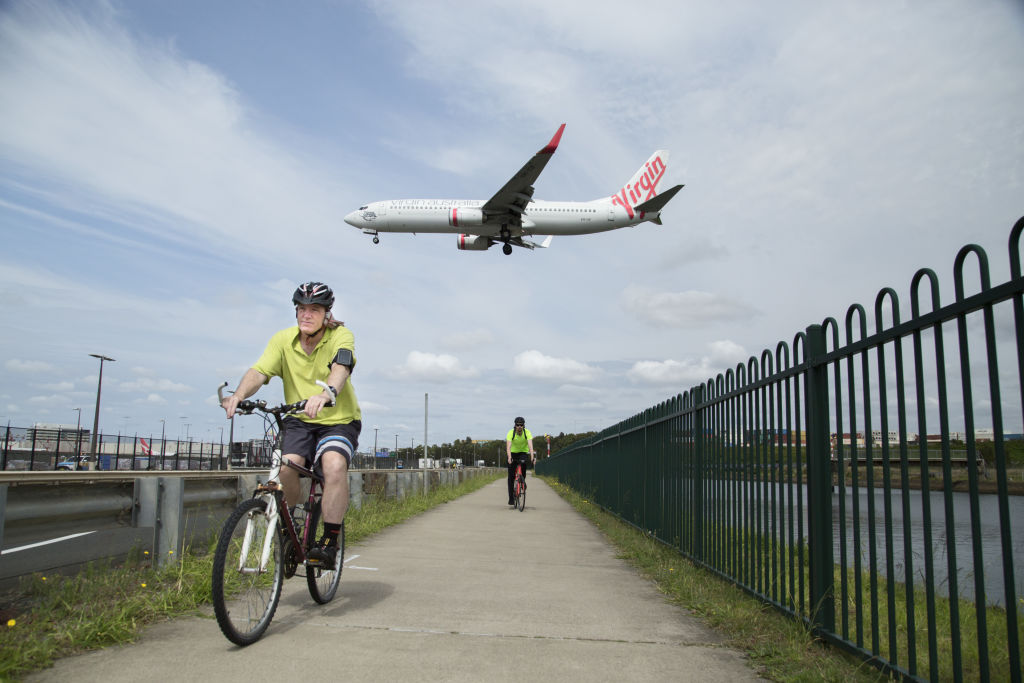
273,517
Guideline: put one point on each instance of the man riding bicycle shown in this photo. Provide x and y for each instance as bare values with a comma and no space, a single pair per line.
518,445
326,433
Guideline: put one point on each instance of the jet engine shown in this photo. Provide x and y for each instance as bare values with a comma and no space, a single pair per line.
459,217
474,243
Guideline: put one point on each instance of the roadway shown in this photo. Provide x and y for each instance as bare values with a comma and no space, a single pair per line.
472,590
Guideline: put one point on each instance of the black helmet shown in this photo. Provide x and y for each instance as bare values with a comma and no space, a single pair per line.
520,422
314,293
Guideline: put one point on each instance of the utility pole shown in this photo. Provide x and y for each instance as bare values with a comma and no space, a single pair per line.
426,474
96,417
78,438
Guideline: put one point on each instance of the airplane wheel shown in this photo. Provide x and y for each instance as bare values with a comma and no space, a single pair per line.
376,240
507,249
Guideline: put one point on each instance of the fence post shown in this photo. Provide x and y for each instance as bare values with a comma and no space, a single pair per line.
698,472
819,483
160,505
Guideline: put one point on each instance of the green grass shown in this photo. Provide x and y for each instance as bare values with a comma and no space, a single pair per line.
56,616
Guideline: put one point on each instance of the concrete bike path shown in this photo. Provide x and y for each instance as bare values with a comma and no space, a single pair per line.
473,590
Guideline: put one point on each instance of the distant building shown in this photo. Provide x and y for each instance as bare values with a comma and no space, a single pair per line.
42,431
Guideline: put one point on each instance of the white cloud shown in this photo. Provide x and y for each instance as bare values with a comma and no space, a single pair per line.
18,365
149,384
155,399
147,112
433,367
686,373
681,309
536,365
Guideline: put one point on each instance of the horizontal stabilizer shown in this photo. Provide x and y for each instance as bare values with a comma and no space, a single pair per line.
529,244
658,203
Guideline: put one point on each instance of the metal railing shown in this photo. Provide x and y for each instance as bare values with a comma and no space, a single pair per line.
37,449
903,553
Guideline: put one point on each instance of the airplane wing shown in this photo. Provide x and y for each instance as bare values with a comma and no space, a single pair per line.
508,204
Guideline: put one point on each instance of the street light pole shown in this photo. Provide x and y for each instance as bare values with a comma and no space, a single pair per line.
375,441
96,417
78,437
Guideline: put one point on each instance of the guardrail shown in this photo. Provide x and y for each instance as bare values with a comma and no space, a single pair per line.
59,521
873,554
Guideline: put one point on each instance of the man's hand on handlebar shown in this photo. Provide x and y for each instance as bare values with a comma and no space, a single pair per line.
314,404
230,404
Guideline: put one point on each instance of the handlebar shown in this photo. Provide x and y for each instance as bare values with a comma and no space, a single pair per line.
246,407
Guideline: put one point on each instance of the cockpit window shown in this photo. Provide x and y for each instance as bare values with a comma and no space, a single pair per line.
363,208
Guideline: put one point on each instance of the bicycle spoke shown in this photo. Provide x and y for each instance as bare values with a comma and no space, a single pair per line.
245,589
323,583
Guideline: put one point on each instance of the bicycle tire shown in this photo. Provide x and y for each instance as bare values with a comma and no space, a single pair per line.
520,492
245,602
323,583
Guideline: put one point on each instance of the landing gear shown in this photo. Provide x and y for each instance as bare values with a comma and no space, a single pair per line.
505,237
376,240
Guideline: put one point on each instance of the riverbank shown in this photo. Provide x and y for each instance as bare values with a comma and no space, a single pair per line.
960,483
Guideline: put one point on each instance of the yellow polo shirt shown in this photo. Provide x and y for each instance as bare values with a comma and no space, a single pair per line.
299,371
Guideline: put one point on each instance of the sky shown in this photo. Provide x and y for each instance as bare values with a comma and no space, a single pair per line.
169,172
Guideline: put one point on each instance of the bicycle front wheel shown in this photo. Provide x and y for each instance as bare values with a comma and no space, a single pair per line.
323,583
521,493
245,590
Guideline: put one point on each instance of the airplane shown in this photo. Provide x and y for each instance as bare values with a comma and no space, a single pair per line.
512,214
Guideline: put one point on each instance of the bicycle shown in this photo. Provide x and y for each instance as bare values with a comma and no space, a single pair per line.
262,543
519,487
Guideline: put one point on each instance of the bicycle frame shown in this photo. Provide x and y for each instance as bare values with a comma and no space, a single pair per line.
275,512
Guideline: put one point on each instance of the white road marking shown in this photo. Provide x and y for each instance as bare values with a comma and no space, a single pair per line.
52,540
352,566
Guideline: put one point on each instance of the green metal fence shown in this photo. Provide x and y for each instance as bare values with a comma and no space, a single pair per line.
906,549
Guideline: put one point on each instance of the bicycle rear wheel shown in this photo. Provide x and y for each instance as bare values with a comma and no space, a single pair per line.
520,493
244,596
323,583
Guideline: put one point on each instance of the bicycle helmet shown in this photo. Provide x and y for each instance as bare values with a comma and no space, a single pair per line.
314,293
520,422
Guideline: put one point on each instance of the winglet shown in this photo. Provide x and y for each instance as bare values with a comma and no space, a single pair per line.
546,242
553,145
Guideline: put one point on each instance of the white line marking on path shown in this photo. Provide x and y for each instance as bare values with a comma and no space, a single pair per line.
52,540
352,566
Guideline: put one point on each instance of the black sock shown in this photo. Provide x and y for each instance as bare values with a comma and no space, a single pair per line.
330,537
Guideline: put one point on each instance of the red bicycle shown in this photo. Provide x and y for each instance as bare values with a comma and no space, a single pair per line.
519,487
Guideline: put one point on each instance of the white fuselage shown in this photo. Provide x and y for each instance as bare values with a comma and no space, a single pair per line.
464,216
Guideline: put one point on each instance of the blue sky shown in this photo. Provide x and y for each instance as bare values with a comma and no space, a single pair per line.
170,171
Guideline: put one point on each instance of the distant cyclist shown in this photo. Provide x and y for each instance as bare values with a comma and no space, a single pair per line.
326,434
519,449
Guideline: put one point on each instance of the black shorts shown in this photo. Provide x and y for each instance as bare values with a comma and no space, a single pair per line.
312,440
520,457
